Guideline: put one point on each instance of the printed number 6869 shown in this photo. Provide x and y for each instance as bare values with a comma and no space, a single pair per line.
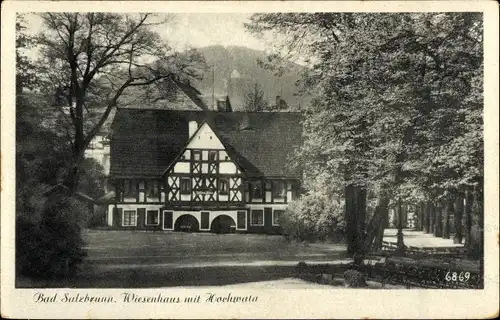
454,276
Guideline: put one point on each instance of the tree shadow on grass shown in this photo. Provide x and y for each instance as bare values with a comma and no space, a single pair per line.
148,278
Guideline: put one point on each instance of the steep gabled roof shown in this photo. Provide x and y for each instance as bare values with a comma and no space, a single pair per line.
145,142
192,93
169,94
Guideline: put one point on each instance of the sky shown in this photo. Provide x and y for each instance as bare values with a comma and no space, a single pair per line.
196,30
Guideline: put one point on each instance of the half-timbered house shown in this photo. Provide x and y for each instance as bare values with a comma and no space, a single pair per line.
202,170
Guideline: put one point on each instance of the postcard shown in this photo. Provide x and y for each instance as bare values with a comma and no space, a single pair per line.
249,159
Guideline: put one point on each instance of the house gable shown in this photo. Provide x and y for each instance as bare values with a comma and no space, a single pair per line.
205,138
204,171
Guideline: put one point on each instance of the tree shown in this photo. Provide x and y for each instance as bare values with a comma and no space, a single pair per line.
393,91
90,59
254,99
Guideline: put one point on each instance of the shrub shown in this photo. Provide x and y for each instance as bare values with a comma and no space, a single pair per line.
98,218
314,217
52,248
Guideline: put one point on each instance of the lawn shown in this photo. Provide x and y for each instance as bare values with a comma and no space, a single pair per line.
162,259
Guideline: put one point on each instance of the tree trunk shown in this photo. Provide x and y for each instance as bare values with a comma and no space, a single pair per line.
432,217
459,209
467,217
438,223
476,245
404,216
361,214
448,211
375,229
400,240
421,216
73,177
350,218
355,212
426,217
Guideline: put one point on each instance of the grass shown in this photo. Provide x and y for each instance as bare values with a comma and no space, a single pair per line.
131,259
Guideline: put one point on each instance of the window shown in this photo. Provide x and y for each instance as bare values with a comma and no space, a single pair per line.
197,155
277,215
152,217
223,186
257,218
212,155
152,188
279,189
129,218
257,190
185,185
129,188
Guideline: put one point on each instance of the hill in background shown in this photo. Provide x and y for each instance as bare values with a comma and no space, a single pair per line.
236,70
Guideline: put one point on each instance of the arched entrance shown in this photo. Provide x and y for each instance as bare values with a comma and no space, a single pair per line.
223,224
187,223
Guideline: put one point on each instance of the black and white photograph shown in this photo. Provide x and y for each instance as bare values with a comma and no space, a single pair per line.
248,150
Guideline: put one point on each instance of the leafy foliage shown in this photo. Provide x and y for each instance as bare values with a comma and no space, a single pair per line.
254,99
53,247
90,59
399,107
314,217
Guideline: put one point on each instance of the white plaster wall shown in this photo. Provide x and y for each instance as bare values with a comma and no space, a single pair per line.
227,167
129,199
205,138
204,167
141,196
110,214
222,155
181,167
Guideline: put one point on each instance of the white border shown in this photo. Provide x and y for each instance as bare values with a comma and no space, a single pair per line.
272,303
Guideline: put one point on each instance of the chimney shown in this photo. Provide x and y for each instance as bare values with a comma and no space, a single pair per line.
278,102
193,126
